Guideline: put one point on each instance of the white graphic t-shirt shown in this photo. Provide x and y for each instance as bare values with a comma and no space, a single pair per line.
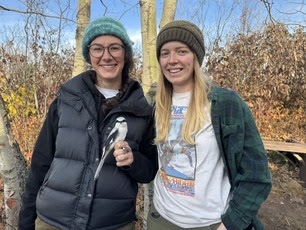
191,188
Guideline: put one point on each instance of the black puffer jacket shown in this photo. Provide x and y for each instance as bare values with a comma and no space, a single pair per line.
67,154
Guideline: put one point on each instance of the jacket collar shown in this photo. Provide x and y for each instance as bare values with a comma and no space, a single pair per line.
81,90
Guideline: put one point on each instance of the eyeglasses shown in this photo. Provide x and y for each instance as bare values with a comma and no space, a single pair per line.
97,51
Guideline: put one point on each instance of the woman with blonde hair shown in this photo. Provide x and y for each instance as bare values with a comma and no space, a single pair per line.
213,168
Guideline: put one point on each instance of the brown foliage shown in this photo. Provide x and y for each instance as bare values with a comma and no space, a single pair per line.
268,70
28,85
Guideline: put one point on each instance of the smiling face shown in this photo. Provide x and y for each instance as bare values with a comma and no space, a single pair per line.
108,68
176,61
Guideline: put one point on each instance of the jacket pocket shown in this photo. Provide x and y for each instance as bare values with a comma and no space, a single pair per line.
45,182
228,129
41,190
232,141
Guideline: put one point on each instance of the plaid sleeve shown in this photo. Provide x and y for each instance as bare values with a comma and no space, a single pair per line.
252,182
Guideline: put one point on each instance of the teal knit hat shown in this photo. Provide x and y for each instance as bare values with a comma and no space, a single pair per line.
104,26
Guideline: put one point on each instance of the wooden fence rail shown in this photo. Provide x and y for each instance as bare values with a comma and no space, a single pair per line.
285,146
298,150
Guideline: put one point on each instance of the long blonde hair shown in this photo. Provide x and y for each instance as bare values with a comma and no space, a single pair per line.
196,115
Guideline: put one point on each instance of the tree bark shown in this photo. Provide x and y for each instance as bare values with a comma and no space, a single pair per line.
150,64
12,169
148,32
168,12
83,18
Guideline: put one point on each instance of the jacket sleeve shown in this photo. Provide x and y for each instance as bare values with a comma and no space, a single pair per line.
41,160
252,182
145,164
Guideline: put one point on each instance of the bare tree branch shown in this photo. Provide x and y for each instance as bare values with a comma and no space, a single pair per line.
295,11
34,12
226,19
128,9
296,3
268,6
291,13
62,11
105,6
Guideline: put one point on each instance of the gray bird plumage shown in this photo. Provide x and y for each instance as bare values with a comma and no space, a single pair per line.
118,133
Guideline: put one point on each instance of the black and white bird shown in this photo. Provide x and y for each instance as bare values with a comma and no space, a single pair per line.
118,133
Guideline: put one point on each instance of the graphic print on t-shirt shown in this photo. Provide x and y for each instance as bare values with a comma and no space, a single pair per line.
178,158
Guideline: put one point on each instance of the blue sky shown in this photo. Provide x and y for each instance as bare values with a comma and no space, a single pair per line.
131,19
206,15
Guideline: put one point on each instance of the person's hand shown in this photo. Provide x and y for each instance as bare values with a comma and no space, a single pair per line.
123,154
221,227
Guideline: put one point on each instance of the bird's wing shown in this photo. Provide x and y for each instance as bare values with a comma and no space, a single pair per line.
118,133
109,145
109,142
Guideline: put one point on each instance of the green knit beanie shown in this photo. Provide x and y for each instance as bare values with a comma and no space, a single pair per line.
104,26
182,31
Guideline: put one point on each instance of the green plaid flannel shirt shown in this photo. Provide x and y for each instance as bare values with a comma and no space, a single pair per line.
244,156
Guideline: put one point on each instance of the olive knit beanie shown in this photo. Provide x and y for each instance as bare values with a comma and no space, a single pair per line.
182,31
104,26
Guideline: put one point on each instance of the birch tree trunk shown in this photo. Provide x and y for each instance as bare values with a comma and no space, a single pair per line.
83,18
168,12
12,169
150,74
148,33
150,64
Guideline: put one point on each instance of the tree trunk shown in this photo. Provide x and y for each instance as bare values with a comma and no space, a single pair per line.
83,18
148,32
168,12
150,64
12,169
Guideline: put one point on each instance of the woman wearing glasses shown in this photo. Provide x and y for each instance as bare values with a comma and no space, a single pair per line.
99,118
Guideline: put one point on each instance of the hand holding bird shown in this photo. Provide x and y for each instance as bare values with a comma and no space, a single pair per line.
123,154
118,133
